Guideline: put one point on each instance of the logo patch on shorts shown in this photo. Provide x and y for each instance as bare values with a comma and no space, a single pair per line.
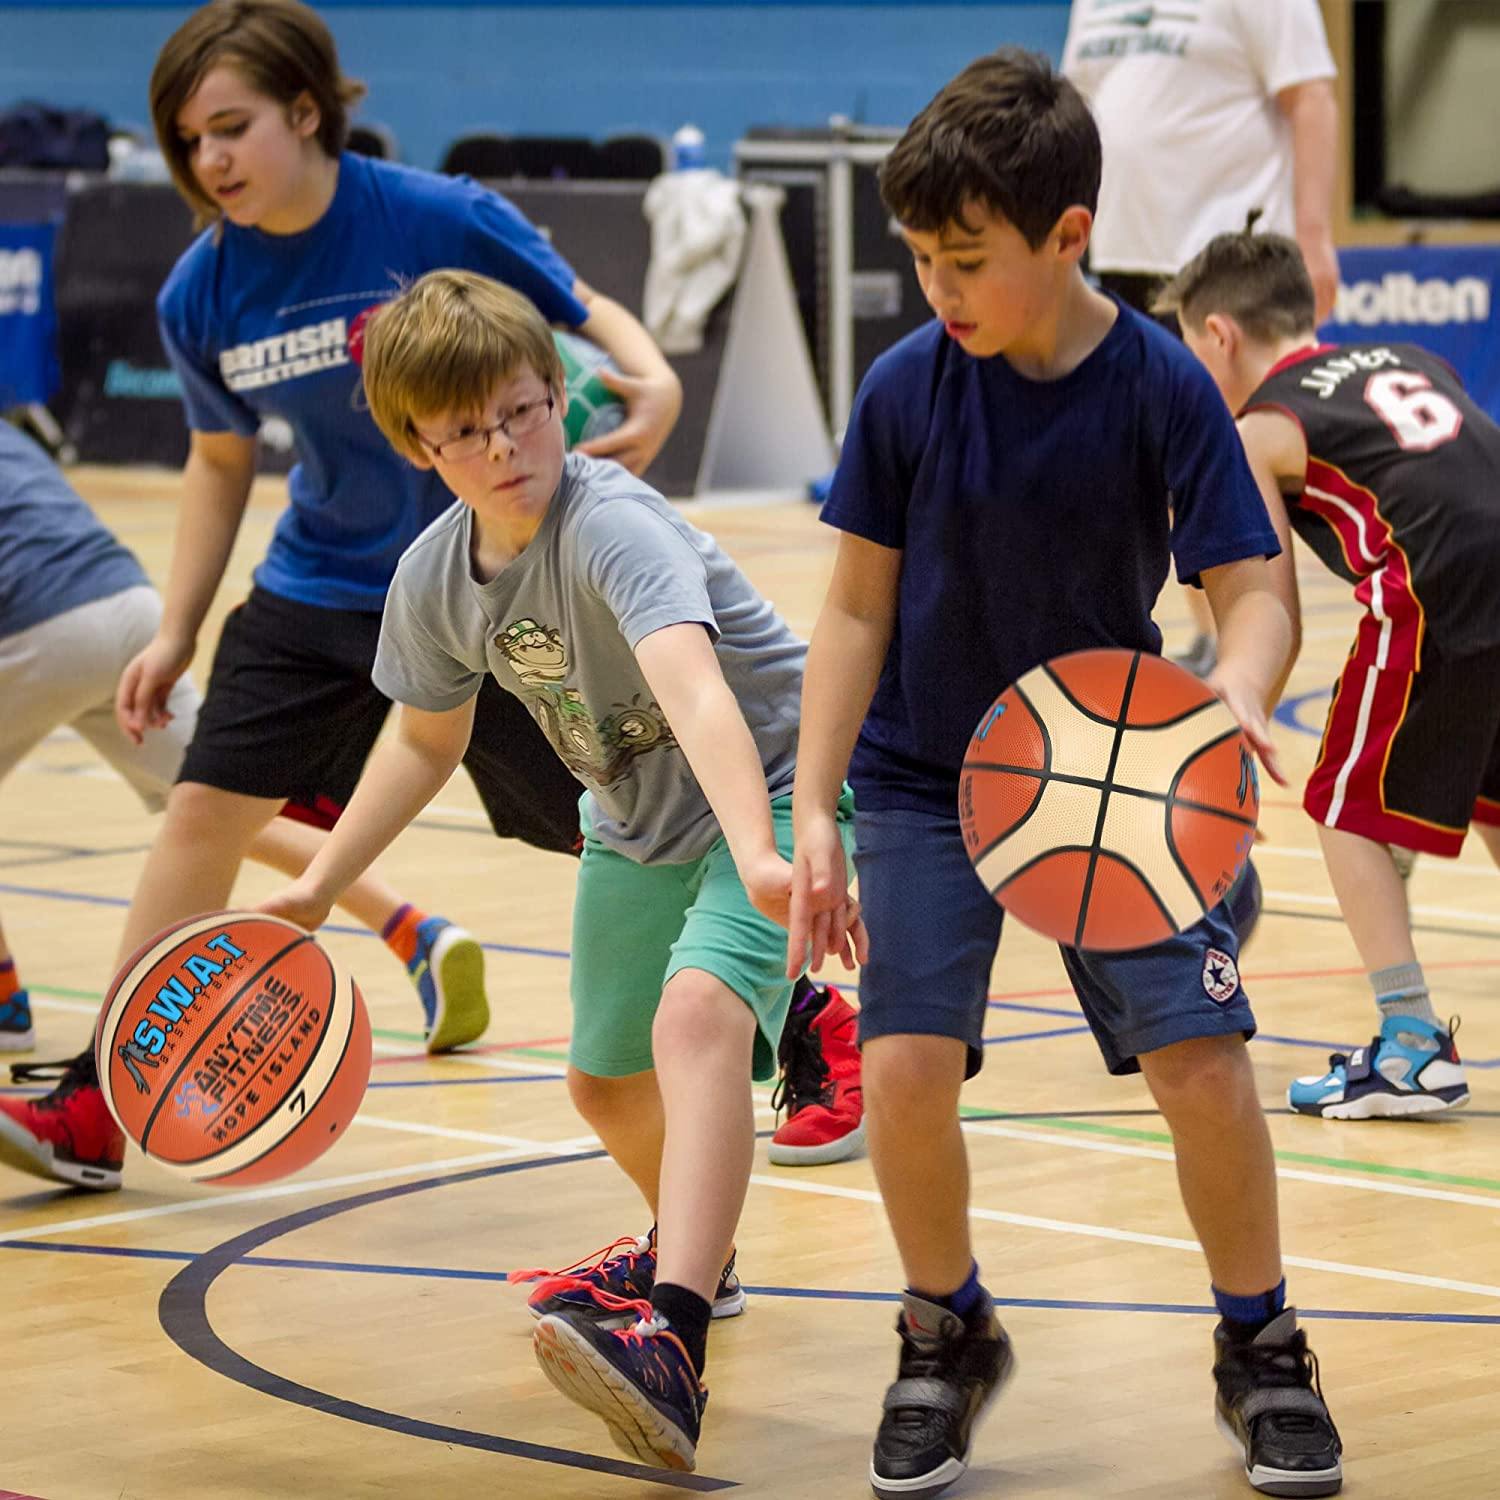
1221,979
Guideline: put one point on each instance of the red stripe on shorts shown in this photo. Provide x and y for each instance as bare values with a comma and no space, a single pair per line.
1346,788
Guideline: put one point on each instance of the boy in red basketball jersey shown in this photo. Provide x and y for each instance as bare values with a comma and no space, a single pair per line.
1388,471
1017,475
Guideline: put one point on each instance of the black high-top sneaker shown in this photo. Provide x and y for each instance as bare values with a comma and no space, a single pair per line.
951,1370
1270,1406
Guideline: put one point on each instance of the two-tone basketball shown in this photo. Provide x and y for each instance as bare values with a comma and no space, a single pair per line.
232,1049
1108,799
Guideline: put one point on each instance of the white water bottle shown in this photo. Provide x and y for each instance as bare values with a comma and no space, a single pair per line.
687,149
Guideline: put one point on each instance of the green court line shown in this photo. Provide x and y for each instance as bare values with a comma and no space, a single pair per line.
58,990
967,1112
1300,1158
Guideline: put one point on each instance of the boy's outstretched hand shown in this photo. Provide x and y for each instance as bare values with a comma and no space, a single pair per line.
824,917
298,904
1244,702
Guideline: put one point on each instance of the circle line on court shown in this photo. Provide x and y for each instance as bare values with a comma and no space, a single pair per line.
183,1313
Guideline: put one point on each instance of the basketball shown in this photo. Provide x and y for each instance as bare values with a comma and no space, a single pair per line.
1108,799
231,1048
593,409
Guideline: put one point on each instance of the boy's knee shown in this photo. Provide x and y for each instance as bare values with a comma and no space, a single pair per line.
593,1095
1210,1070
698,1016
199,812
912,1076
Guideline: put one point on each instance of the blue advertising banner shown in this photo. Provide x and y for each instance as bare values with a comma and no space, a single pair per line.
28,318
1438,296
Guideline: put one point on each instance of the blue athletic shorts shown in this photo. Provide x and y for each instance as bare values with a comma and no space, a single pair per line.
933,933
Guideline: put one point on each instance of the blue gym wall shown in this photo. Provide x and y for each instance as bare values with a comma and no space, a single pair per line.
436,71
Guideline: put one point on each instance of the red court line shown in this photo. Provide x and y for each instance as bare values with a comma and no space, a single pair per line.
15,1495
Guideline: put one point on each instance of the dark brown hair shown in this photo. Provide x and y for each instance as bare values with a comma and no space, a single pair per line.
1008,132
1259,280
281,48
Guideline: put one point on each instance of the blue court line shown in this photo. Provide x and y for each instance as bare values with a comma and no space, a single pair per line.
182,1311
1043,1010
1034,1036
812,1294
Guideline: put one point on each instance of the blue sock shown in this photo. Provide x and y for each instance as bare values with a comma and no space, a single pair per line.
1246,1316
964,1300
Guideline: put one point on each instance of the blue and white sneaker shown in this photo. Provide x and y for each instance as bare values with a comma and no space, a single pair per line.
639,1379
448,971
17,1034
1389,1077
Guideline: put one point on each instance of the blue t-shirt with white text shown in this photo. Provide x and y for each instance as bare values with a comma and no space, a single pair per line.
259,325
1034,518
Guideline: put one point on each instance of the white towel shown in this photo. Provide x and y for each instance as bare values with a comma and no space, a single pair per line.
697,235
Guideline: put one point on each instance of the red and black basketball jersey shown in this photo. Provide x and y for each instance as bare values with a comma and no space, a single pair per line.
1402,495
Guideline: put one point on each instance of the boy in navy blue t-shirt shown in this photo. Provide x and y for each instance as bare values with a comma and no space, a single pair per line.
1015,479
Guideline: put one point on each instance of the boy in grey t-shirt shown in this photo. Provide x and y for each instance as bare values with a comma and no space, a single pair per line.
671,689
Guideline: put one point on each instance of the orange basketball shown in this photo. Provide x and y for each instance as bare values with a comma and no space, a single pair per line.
1108,799
232,1049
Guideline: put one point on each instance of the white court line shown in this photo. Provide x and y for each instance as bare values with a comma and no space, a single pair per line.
450,1133
258,1195
1158,1241
1434,864
1290,1174
1488,919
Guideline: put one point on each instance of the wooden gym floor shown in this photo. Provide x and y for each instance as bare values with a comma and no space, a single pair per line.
350,1332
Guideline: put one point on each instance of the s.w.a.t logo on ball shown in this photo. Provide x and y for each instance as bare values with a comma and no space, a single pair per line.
1108,799
231,1048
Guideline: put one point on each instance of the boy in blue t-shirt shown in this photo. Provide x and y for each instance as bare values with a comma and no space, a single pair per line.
1015,479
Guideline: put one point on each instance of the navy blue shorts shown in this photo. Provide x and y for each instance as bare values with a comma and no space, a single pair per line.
933,933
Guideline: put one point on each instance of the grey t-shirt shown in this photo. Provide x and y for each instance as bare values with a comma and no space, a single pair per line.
55,553
611,563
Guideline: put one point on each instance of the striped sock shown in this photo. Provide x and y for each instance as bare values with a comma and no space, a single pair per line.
1401,990
10,981
400,933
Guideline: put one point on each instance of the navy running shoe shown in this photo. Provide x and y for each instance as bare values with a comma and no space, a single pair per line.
624,1271
638,1379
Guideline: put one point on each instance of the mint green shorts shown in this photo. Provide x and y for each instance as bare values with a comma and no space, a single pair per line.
635,926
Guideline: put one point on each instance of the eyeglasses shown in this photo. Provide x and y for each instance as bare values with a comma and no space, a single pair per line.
521,421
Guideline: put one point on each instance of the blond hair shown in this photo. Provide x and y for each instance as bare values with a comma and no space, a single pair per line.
281,48
443,344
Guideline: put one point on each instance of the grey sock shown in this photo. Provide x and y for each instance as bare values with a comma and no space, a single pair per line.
1401,990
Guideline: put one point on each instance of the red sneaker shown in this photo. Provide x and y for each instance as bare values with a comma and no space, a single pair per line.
68,1134
820,1081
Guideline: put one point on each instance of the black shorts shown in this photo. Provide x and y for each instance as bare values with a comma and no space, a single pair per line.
1410,756
291,712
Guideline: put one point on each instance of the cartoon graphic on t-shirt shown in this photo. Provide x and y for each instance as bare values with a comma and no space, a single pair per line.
601,750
